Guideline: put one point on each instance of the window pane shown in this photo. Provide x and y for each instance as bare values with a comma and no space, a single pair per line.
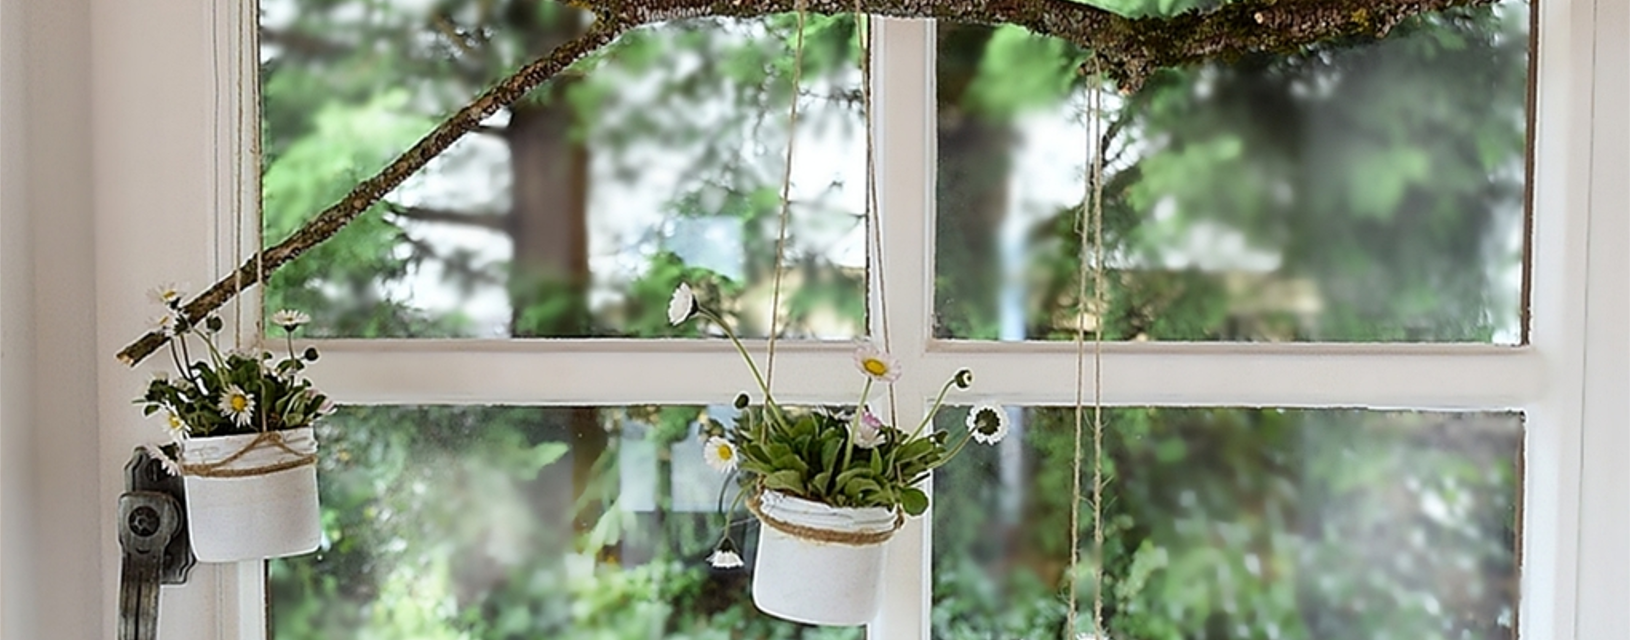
575,212
519,522
1359,191
1239,524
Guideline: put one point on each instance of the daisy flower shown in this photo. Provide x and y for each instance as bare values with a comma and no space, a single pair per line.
237,405
682,305
724,556
175,426
987,423
873,362
156,453
168,294
290,319
163,323
719,454
868,431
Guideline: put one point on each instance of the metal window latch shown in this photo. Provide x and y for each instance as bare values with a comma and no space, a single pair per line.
152,531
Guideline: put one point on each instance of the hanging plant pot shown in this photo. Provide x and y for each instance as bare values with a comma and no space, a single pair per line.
252,496
819,564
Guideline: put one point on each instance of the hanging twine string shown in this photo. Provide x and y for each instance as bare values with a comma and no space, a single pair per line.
873,221
1092,205
786,195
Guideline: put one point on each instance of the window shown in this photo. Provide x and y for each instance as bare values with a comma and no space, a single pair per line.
1403,381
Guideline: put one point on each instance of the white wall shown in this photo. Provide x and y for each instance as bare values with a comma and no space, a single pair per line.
51,515
16,335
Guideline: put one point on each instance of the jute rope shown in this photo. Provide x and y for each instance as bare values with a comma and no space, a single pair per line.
1092,205
264,439
852,538
786,196
874,222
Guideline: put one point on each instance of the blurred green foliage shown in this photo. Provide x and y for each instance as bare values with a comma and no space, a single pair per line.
1379,171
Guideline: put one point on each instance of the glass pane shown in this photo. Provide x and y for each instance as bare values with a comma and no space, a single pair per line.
1358,191
575,212
519,522
1239,524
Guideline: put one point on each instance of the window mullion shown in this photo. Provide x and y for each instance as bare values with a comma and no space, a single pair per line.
900,289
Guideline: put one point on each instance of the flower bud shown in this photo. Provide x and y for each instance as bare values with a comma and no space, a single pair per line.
311,354
741,401
964,378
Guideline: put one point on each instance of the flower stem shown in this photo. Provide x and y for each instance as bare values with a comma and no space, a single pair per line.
774,412
849,438
938,400
954,451
758,377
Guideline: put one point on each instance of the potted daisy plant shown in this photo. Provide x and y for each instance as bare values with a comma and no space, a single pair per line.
240,425
828,486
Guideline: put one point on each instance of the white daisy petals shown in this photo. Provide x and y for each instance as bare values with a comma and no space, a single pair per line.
157,453
167,294
236,405
725,559
290,319
175,426
719,454
682,305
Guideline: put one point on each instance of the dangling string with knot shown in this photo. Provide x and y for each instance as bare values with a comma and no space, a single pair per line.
1092,218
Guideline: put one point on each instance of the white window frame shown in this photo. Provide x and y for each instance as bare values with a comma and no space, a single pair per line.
166,82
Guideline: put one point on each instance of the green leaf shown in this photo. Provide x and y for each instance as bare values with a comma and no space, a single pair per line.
787,480
914,501
829,453
820,480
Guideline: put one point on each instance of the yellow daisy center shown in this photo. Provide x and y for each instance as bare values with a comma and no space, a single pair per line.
175,422
725,452
239,402
874,366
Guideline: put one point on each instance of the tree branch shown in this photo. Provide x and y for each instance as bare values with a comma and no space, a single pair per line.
491,221
1128,51
368,192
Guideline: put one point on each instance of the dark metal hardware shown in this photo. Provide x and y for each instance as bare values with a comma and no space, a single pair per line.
153,533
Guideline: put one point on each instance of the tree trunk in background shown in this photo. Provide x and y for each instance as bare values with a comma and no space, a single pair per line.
549,269
972,191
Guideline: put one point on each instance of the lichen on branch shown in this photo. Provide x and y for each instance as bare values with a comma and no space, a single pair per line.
1127,51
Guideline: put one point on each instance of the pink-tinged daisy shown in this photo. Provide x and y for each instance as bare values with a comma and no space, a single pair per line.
873,362
868,431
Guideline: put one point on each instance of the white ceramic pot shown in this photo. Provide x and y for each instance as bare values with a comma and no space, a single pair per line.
816,582
260,504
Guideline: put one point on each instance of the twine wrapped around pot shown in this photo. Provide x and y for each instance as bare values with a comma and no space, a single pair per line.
301,449
755,504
